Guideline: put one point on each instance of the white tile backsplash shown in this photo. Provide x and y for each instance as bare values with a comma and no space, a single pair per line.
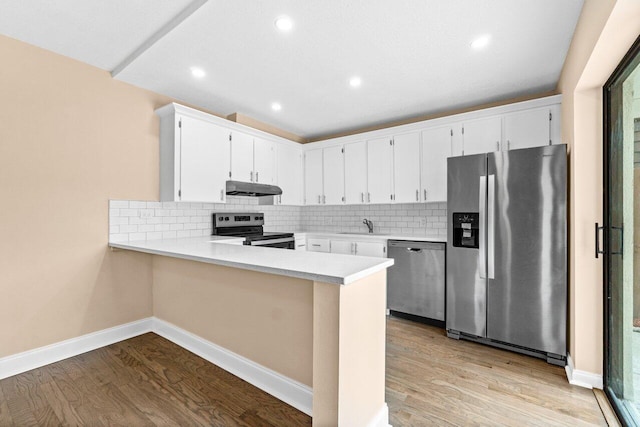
416,219
146,220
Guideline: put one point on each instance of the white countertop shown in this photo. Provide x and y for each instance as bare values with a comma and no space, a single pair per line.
374,236
322,267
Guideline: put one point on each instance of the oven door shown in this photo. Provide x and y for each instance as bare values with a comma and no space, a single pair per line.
284,243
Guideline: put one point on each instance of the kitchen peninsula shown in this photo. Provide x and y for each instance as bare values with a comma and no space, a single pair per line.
314,321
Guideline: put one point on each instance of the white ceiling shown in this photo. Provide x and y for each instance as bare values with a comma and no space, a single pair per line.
414,56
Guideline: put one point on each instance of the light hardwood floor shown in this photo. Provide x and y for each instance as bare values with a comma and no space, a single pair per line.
431,380
435,380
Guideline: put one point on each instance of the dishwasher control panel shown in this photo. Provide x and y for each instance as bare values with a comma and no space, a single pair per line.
466,229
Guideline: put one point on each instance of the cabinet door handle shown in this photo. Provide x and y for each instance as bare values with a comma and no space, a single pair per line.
425,195
319,199
497,145
324,199
369,197
257,179
417,195
251,176
222,195
362,197
355,252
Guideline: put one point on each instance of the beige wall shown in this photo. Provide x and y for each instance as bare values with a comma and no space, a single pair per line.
263,317
606,29
71,137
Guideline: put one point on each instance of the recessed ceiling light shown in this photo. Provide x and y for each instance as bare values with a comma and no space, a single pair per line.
198,72
355,81
481,42
284,23
276,106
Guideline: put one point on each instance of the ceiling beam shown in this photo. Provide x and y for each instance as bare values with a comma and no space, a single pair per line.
155,37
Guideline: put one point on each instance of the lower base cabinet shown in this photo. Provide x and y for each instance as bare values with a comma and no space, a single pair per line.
349,247
318,245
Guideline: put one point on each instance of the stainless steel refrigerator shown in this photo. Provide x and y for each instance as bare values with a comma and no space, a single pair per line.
507,250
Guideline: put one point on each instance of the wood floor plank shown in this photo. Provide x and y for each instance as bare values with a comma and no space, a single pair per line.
607,410
5,415
431,381
476,384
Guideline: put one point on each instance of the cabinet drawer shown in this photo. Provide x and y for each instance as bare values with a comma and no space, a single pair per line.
318,245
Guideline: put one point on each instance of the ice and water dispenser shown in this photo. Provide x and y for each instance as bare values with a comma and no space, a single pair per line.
466,230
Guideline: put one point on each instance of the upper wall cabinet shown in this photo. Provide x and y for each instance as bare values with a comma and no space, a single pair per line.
333,175
355,172
529,128
199,152
408,163
324,176
264,161
289,173
252,159
380,170
436,147
241,157
194,158
313,190
481,136
406,168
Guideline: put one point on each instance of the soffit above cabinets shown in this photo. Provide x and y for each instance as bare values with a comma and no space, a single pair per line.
414,56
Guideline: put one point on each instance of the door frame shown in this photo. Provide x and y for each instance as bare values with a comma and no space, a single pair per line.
621,72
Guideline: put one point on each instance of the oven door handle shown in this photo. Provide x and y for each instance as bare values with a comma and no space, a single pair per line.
271,241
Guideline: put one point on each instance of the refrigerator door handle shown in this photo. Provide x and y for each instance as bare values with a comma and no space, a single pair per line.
482,257
491,193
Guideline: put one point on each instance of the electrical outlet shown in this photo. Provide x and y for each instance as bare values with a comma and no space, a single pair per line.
146,213
423,222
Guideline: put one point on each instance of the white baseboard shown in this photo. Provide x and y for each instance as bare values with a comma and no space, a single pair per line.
582,378
381,419
289,391
28,360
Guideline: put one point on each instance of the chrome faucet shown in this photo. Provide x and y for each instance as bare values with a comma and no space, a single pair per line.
369,224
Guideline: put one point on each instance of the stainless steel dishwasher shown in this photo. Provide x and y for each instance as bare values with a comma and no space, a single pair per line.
416,282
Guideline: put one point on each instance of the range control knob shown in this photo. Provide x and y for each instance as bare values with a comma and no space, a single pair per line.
257,218
226,218
220,218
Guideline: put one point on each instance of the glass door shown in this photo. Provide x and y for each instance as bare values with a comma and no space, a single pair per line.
620,236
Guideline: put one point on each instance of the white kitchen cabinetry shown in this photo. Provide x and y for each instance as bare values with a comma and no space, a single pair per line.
436,147
313,190
318,245
379,170
252,159
241,157
375,249
263,161
355,172
333,176
341,247
529,128
300,242
406,168
481,136
351,247
194,157
289,167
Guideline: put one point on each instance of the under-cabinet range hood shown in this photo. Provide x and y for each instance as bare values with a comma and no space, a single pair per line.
252,189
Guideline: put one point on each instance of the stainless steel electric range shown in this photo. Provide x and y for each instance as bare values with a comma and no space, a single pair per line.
250,226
